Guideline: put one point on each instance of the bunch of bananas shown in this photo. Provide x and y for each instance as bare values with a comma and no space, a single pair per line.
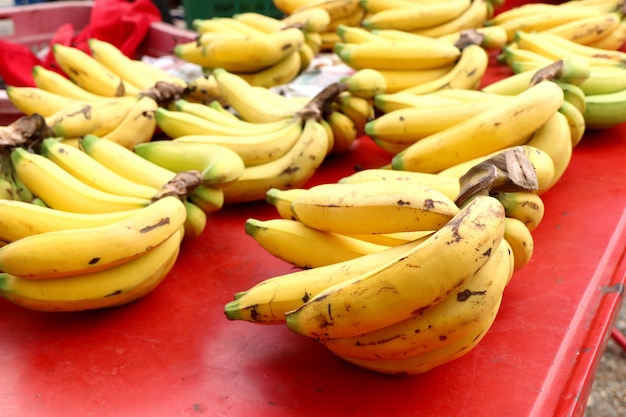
263,50
597,23
340,13
363,238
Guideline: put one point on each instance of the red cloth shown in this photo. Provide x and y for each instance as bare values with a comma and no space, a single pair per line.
120,22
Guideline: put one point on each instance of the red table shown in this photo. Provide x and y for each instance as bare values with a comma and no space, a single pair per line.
173,353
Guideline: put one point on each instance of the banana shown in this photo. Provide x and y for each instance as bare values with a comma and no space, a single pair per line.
358,109
336,9
305,247
525,206
409,125
291,170
309,17
119,64
69,252
416,16
246,101
209,199
448,186
89,74
199,54
30,100
257,52
589,29
455,316
554,138
219,25
353,19
603,80
116,286
218,164
289,6
373,207
603,111
282,199
365,83
75,120
398,80
253,149
260,21
269,301
138,124
7,194
203,89
397,290
91,172
356,34
307,57
195,220
282,72
22,219
492,38
574,95
507,125
54,82
409,55
473,17
575,120
157,74
344,131
614,40
61,190
466,74
521,241
387,103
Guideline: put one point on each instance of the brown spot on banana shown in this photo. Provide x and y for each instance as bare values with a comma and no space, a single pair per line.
162,222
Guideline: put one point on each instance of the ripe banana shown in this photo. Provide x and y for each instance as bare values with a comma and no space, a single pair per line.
466,74
116,286
91,172
507,125
398,290
475,16
409,55
589,29
282,199
344,131
69,252
603,111
521,241
75,120
89,74
282,72
453,318
291,170
246,101
218,164
303,246
614,40
254,148
415,15
61,190
358,109
373,207
525,206
31,100
119,64
448,186
575,120
269,301
56,83
137,126
365,83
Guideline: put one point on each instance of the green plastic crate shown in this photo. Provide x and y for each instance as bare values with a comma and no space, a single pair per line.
202,9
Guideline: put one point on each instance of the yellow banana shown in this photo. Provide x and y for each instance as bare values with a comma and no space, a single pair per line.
358,109
138,124
416,16
303,246
119,64
344,131
282,199
507,125
521,241
589,29
56,83
75,120
373,207
31,100
282,72
69,252
473,17
61,190
195,220
614,40
396,290
525,206
116,286
365,83
575,120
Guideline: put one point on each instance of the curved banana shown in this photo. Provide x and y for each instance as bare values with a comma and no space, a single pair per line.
554,138
588,29
473,17
454,317
373,207
137,126
466,74
576,121
254,148
603,111
22,219
402,79
282,72
92,172
397,290
75,120
344,131
521,241
61,190
242,97
157,74
209,199
494,38
31,100
358,109
614,40
410,55
291,170
119,64
603,80
56,83
448,186
282,199
507,125
69,252
366,83
203,89
111,287
89,74
218,164
387,103
269,301
356,34
303,246
195,220
415,15
525,206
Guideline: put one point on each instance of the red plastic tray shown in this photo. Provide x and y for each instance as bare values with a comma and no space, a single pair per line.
174,353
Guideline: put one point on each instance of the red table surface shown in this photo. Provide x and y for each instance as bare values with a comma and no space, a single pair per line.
173,353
